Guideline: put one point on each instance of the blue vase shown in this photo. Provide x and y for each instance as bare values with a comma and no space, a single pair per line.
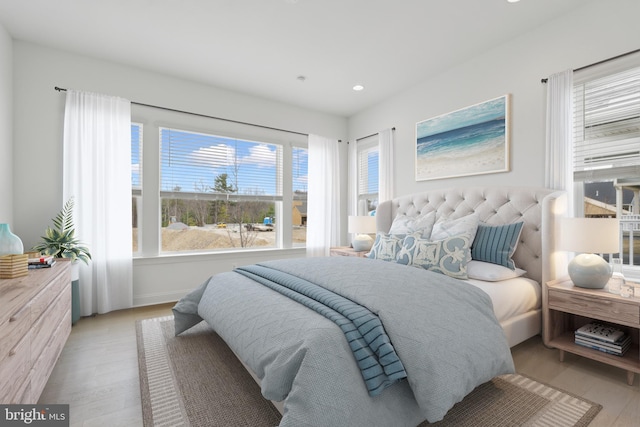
10,244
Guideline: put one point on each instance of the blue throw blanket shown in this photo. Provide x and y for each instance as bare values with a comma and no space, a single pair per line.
378,362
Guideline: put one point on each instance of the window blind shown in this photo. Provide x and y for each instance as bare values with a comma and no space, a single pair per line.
368,167
136,158
607,126
195,162
300,163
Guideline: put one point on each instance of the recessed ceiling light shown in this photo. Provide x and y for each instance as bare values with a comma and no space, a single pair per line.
513,1
358,88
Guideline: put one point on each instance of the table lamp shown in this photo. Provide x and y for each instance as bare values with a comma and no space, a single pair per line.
589,237
362,226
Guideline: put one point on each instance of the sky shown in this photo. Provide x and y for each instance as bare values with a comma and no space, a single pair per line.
192,161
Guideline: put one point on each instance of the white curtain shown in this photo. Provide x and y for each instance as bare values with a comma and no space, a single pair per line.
97,174
385,159
323,199
352,208
559,135
353,178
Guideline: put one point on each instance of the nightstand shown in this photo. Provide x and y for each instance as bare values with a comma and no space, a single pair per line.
566,307
347,251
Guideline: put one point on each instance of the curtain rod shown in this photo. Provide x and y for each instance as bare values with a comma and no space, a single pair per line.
373,134
59,89
600,62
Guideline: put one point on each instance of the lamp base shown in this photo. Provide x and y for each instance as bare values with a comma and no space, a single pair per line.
589,271
362,242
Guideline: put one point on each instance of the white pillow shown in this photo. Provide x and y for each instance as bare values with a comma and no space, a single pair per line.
403,224
454,227
491,272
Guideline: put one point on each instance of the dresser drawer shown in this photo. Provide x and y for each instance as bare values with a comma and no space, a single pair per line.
44,328
15,369
22,394
592,306
46,360
42,301
14,328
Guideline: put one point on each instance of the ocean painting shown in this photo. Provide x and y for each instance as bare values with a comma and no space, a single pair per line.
470,141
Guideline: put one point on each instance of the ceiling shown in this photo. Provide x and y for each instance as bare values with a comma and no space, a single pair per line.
261,47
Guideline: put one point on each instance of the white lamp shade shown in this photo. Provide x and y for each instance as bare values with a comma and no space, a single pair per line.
362,224
589,236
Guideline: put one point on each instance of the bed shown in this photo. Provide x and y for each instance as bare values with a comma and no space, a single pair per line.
536,253
441,335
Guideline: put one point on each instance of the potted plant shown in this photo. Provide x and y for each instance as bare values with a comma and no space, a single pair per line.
61,242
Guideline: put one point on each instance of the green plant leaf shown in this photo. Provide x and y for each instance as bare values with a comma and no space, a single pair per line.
60,241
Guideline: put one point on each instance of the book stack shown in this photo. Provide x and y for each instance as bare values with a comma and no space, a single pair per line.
12,266
41,262
601,337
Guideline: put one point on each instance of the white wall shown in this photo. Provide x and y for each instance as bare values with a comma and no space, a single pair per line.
38,119
6,126
597,31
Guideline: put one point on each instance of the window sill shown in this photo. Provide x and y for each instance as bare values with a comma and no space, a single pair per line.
183,257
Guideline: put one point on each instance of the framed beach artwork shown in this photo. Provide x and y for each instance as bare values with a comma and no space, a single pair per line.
470,141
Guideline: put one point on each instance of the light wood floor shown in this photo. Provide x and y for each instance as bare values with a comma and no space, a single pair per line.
97,374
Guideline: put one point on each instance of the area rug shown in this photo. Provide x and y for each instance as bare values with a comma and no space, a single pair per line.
196,380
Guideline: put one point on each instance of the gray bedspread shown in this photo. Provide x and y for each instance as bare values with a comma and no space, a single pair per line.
443,330
372,350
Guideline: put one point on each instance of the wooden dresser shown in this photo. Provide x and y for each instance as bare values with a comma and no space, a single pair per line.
35,322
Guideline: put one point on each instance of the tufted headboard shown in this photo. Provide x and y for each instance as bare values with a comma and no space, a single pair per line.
539,208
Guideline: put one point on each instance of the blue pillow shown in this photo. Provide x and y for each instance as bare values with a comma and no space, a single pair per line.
496,243
386,246
448,256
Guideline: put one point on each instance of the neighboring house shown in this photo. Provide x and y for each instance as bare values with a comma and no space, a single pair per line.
594,209
299,214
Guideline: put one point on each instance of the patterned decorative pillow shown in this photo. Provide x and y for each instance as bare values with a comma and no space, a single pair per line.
403,224
448,228
497,243
448,256
386,246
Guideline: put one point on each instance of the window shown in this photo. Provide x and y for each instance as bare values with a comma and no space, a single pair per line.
222,191
368,165
299,201
213,185
607,151
136,181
